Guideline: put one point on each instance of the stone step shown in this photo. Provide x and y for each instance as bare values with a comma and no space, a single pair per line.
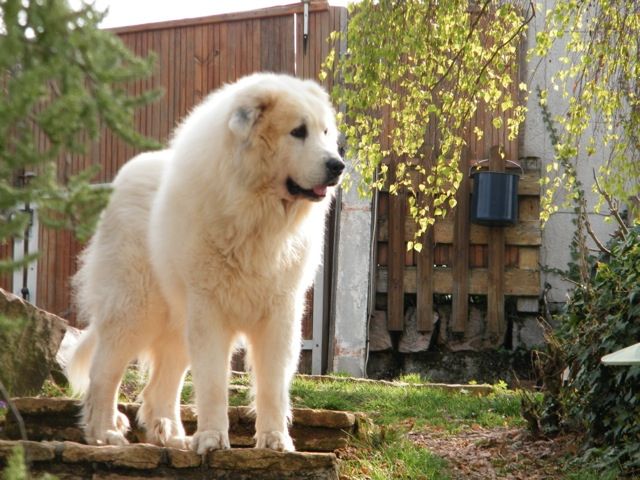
57,419
74,461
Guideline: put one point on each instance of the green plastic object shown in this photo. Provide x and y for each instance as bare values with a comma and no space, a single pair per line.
626,356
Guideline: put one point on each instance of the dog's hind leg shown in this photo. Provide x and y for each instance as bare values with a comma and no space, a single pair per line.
160,410
103,423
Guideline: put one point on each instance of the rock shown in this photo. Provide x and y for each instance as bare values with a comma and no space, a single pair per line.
183,458
57,419
73,461
278,464
528,304
46,419
379,337
33,451
310,417
138,456
474,333
68,345
528,333
412,340
30,338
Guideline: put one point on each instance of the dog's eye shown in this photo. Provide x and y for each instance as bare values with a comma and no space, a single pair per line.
300,132
326,130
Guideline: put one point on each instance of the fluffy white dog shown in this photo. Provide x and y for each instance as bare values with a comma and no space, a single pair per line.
216,237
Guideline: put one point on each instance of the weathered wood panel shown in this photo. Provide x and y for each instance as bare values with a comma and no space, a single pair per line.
6,254
518,282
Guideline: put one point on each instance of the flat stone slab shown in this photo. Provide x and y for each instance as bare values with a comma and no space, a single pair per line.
71,461
56,419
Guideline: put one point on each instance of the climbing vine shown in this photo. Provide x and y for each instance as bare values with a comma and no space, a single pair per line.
412,65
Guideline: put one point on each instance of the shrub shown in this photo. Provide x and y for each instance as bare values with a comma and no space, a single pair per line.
602,316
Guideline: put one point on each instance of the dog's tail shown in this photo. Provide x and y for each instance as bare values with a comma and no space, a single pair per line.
77,368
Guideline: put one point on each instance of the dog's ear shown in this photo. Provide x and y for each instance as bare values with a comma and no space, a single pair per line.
243,119
245,116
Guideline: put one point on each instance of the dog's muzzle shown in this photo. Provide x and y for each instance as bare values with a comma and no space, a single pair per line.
334,168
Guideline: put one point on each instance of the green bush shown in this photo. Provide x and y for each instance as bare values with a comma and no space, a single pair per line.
603,316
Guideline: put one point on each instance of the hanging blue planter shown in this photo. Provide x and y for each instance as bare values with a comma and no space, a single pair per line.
494,201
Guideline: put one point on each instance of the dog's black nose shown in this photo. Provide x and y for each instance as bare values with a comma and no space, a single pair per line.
335,166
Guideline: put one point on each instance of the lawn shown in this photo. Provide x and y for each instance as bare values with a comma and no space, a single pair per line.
416,432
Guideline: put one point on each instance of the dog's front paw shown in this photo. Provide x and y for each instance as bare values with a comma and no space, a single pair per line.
108,437
122,423
280,441
167,433
207,440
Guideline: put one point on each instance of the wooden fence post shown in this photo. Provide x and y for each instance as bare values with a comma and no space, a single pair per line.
424,283
397,251
460,294
425,258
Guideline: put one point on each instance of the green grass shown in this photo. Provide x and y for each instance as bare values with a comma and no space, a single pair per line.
388,405
393,458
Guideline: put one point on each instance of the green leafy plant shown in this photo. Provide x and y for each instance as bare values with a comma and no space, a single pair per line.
16,468
415,67
62,80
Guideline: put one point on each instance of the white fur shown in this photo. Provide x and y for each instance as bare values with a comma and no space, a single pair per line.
202,243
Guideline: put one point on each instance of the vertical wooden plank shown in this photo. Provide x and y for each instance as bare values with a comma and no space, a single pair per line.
426,260
6,279
298,47
224,53
424,285
167,85
397,248
495,293
289,45
255,45
266,29
200,59
214,77
156,131
460,293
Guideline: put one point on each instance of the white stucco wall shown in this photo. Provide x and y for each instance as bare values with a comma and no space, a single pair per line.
559,230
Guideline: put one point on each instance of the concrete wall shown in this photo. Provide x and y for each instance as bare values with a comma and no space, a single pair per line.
559,230
351,285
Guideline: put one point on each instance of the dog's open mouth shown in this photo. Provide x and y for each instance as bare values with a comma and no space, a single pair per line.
316,193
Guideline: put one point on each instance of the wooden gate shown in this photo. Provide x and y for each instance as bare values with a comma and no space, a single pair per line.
194,57
459,259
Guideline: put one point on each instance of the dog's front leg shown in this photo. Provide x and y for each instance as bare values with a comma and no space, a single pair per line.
275,350
210,345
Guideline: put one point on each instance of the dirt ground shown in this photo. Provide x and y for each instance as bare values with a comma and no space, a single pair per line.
498,453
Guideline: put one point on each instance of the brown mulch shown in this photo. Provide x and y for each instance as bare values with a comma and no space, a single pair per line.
498,453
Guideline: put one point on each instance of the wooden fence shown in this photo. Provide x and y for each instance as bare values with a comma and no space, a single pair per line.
194,57
457,258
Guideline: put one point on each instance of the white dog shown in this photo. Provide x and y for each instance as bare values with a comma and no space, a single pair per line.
216,237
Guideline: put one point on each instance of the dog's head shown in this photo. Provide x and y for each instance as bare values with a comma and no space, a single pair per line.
287,137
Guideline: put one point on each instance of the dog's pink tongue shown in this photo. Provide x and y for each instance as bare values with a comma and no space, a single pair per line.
320,190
